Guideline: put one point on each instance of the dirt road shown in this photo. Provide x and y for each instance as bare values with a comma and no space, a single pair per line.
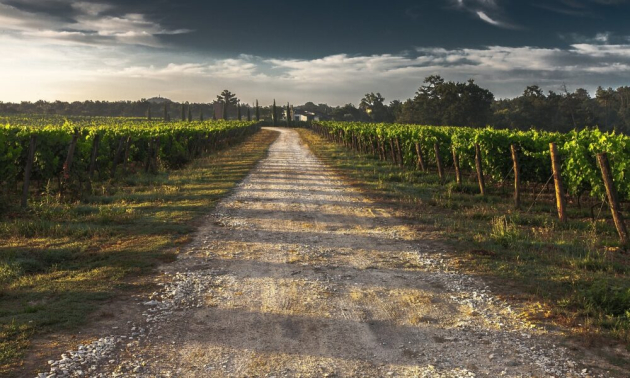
297,274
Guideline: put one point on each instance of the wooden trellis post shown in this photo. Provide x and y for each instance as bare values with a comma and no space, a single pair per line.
421,164
458,172
68,164
400,155
92,168
613,200
479,166
28,169
557,177
438,160
392,150
517,177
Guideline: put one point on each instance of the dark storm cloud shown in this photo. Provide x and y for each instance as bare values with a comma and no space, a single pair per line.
327,50
81,22
313,29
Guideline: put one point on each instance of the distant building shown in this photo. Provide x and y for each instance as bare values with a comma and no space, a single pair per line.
302,116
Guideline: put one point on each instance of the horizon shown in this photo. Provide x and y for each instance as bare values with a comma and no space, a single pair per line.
189,50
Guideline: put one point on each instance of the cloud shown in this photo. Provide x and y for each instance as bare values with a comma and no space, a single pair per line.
488,11
14,19
100,60
483,16
91,9
88,23
578,8
242,68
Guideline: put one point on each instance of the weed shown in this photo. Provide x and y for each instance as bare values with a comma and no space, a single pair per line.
504,231
569,267
60,260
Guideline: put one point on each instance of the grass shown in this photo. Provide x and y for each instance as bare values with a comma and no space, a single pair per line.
59,260
573,274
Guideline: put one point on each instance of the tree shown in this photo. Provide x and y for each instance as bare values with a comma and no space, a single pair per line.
249,114
238,110
189,113
257,111
227,98
605,98
183,112
474,105
569,104
165,112
149,113
274,114
439,102
288,115
372,105
394,110
348,112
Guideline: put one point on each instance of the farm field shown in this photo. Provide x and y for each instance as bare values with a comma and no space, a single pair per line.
579,264
426,189
70,253
344,251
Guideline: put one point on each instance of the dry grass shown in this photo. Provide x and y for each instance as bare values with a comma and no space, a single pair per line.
59,260
574,271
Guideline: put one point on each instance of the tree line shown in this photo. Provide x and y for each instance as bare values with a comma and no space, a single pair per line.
437,102
447,103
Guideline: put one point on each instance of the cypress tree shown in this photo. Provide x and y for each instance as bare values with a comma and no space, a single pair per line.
274,114
249,114
183,112
189,113
288,115
257,111
165,112
214,115
149,113
238,111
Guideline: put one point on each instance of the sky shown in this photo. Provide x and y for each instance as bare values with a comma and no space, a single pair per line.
322,51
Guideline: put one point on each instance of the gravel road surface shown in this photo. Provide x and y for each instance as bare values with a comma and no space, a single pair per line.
298,274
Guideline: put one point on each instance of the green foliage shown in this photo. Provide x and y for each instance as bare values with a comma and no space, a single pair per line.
577,148
439,102
274,113
569,268
227,99
59,260
179,143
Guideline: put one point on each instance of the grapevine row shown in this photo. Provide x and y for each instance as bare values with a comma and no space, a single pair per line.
82,151
578,149
492,153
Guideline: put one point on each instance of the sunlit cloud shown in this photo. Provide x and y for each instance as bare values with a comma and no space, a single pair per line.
65,72
88,26
100,51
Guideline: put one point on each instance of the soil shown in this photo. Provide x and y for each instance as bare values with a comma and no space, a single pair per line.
299,274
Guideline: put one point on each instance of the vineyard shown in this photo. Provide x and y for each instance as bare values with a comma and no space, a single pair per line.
106,201
70,154
502,154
